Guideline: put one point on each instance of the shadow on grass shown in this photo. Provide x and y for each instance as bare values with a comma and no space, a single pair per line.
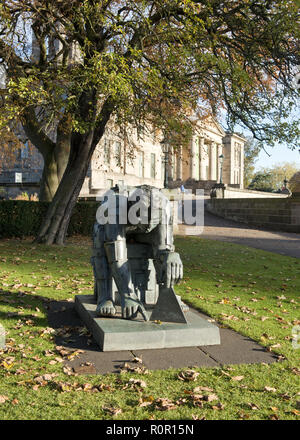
70,330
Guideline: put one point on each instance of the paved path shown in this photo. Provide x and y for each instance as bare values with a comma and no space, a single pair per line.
234,348
217,228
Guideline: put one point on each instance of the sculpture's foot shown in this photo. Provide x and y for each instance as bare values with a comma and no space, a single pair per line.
131,306
106,308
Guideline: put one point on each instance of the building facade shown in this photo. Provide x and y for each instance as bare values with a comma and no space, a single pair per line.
136,157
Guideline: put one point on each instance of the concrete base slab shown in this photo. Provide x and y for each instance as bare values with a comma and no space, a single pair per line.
115,334
162,359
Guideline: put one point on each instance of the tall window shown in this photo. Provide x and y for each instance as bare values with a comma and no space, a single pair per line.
153,171
237,155
107,151
118,152
141,164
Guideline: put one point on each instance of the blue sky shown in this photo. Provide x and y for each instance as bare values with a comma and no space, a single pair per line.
278,154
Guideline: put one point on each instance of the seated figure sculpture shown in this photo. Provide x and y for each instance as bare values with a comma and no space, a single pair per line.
148,220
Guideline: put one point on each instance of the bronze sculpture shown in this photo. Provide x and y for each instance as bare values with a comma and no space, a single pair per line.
148,230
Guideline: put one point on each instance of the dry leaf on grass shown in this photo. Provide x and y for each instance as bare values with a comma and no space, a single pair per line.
237,378
3,399
135,384
146,401
188,375
111,410
270,389
253,406
194,417
197,389
134,369
164,404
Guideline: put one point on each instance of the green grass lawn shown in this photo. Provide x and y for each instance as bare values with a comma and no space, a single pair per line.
251,291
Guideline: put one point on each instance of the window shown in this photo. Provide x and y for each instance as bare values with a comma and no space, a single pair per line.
153,171
141,164
118,152
109,183
107,151
24,152
237,155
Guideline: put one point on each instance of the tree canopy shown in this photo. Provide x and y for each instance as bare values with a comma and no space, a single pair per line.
272,178
143,61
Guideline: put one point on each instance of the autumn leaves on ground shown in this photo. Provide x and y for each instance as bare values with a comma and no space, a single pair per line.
251,291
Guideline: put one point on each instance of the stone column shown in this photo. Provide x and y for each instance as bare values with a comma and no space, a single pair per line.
171,163
179,164
242,167
194,159
202,159
213,161
220,151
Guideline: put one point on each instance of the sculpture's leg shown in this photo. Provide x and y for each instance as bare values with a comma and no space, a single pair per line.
105,304
116,252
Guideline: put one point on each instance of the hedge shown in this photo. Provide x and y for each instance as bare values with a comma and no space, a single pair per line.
20,218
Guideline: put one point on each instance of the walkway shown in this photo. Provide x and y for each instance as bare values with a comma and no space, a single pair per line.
217,228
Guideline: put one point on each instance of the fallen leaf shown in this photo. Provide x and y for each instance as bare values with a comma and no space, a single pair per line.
188,375
3,399
111,410
211,397
203,389
146,401
237,378
253,406
164,404
270,389
219,406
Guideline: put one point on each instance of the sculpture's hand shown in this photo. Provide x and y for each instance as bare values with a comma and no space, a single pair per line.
131,306
171,269
106,308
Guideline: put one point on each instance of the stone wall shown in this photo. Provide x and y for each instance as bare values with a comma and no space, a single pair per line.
282,214
232,192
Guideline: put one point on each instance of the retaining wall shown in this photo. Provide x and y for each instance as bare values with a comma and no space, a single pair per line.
282,214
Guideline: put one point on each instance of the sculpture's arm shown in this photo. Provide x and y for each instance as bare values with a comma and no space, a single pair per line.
168,264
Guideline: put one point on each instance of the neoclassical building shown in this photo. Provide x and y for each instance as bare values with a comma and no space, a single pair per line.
138,157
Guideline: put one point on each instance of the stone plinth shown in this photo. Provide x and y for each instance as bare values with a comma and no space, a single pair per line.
115,334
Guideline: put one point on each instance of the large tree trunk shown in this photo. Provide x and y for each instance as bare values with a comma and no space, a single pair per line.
49,182
55,224
55,154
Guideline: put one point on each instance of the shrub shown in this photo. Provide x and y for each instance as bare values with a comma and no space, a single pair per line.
20,218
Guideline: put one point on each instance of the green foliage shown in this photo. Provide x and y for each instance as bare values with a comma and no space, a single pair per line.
262,181
19,218
272,178
153,60
251,152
